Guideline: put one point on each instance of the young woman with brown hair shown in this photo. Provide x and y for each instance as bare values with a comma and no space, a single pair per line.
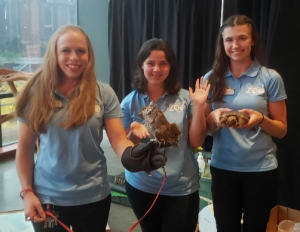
156,80
243,164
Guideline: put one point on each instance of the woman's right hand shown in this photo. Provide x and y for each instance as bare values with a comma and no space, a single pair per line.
216,114
139,130
32,208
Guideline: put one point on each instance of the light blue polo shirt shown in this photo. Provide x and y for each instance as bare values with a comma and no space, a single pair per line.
71,167
181,168
245,150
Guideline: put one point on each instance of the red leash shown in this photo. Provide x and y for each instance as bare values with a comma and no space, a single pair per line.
62,224
135,224
47,212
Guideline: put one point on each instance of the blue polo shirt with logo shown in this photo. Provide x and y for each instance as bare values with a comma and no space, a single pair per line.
181,168
71,167
247,150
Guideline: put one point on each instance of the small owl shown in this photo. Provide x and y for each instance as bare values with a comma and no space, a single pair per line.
165,133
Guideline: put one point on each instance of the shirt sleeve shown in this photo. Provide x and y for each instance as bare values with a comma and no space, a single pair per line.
205,78
185,96
111,103
276,90
21,120
126,119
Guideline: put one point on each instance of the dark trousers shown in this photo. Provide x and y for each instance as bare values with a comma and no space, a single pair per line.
169,213
253,193
83,218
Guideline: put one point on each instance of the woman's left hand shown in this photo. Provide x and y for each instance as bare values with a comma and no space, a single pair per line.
255,118
201,92
139,130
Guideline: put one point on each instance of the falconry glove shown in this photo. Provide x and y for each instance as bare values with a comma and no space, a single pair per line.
143,157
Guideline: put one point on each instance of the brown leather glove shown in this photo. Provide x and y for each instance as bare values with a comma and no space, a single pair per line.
143,157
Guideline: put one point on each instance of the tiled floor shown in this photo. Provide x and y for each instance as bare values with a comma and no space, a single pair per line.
121,217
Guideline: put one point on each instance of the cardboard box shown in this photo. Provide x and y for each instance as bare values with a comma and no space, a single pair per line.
280,213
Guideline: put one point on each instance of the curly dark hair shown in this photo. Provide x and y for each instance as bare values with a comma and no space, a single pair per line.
171,83
221,62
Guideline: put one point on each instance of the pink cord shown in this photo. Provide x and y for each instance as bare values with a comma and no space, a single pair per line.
135,224
62,224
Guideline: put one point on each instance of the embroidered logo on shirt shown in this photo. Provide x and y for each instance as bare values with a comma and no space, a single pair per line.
176,107
97,108
256,90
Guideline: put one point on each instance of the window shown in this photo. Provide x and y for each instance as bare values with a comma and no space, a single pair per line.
25,28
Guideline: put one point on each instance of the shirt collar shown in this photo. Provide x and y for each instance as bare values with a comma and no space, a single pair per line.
58,93
251,72
145,95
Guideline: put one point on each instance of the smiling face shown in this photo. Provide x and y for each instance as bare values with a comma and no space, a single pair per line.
238,43
72,54
156,68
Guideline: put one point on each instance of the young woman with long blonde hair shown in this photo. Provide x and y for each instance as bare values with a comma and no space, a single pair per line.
67,109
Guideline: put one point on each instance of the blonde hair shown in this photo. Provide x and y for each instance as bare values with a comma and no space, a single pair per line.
36,101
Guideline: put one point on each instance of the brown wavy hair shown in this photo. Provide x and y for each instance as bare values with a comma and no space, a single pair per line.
221,62
171,83
36,101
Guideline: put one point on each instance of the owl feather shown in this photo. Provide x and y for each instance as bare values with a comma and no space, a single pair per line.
165,133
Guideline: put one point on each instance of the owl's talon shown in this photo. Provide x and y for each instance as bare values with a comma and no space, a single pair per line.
158,145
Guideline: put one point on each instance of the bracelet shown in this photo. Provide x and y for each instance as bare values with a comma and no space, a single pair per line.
263,118
23,191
